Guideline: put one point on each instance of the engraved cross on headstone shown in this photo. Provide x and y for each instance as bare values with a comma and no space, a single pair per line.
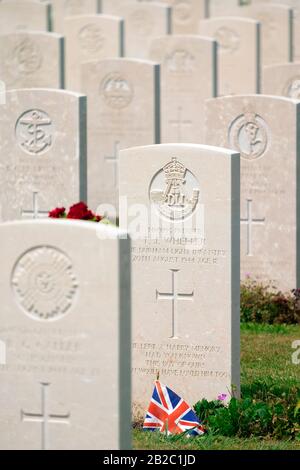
175,297
45,418
114,159
180,123
35,213
249,221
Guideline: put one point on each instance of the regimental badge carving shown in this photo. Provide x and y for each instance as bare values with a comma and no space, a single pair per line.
44,284
175,191
142,22
34,132
249,135
91,38
117,90
292,89
180,61
227,39
24,58
182,11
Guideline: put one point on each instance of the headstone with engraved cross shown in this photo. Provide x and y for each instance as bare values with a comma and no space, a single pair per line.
65,362
123,103
42,152
270,151
188,78
185,268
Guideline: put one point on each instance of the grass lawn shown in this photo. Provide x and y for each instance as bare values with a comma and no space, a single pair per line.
267,370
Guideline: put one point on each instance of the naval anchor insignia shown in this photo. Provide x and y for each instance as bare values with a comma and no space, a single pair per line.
175,191
34,132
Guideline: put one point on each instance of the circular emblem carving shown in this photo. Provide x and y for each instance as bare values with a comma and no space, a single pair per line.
117,91
142,22
174,191
44,283
24,58
227,39
292,88
249,135
180,61
91,39
182,11
34,131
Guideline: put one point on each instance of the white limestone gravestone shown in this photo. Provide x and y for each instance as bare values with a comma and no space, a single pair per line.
91,37
123,103
143,22
188,78
62,9
19,15
239,53
265,130
282,80
31,59
66,324
181,205
42,152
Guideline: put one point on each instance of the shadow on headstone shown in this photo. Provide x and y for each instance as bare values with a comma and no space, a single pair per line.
2,92
2,353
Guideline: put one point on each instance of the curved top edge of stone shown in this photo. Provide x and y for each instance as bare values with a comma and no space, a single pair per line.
111,231
182,146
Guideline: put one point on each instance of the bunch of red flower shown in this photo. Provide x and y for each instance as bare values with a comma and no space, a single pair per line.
79,211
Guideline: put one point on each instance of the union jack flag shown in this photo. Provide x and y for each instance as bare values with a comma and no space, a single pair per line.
168,413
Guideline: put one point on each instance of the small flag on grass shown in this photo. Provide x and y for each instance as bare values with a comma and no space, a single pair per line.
170,414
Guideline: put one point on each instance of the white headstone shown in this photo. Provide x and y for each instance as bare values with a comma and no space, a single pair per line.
32,59
62,9
264,129
277,30
123,103
143,22
19,15
222,7
186,15
295,5
42,152
188,78
185,268
282,80
90,37
66,323
239,42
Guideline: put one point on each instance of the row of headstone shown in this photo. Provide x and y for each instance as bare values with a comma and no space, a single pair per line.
35,59
44,145
68,364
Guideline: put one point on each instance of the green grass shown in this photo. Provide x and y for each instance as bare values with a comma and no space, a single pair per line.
267,371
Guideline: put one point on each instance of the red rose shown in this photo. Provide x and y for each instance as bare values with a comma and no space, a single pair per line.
80,211
57,213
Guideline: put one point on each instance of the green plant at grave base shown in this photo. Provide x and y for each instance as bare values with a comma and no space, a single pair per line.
264,304
251,418
270,384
